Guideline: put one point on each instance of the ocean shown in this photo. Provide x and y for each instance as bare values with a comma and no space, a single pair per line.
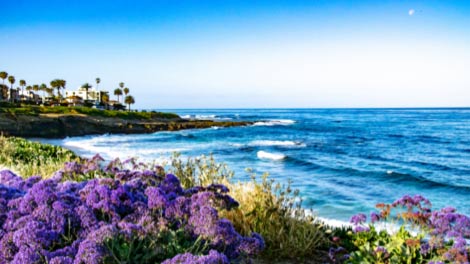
343,161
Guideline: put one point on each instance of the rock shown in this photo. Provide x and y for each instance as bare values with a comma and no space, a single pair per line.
60,126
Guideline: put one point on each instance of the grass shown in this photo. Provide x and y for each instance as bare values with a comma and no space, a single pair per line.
36,110
29,158
271,209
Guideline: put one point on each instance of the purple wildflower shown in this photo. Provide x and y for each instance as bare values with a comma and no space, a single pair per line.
213,257
358,219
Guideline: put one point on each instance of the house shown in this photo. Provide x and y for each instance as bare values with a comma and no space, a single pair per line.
13,95
29,96
94,96
74,100
115,105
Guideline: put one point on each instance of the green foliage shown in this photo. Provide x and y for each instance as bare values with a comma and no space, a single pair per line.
268,208
382,247
36,110
138,249
199,171
32,158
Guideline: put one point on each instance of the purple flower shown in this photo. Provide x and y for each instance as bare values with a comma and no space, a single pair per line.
359,229
374,217
68,222
358,219
213,257
156,198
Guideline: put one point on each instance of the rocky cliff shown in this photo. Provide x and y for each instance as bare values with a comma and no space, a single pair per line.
60,126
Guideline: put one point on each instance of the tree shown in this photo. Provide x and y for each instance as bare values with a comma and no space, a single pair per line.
105,98
43,88
86,86
3,91
58,84
126,91
129,100
12,80
117,92
62,84
98,80
36,88
29,88
3,75
22,84
121,85
55,84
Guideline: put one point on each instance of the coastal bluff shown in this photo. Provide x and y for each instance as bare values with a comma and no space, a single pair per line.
69,125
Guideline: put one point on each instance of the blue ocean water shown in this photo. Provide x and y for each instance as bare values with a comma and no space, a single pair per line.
343,161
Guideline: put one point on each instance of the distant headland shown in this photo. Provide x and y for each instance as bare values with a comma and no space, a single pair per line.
24,112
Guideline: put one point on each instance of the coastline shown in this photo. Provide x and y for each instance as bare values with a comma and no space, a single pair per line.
68,125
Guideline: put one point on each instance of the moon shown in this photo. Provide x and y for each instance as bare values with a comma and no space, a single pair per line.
411,12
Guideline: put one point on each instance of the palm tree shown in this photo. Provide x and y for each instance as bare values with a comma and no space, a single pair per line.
121,85
22,84
117,92
98,80
3,75
50,91
86,86
29,88
4,89
58,84
126,91
12,80
62,84
43,88
129,100
55,84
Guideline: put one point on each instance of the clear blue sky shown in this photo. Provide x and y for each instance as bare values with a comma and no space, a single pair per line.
215,54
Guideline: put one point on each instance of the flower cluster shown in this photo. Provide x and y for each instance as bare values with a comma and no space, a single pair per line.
439,236
94,221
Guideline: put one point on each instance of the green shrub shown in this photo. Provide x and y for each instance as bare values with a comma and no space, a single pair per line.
36,110
32,158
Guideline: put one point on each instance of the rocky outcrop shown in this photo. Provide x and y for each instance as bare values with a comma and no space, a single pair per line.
60,126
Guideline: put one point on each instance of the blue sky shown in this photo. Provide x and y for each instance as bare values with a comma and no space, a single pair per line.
216,54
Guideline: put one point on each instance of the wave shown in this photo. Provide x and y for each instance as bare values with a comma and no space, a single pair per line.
278,143
275,122
205,117
272,156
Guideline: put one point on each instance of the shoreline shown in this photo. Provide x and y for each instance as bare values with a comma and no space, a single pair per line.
58,126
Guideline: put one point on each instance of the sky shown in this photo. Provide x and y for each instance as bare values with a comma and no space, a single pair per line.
246,54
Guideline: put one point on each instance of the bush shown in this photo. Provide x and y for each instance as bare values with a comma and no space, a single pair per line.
135,216
270,209
32,158
36,110
423,235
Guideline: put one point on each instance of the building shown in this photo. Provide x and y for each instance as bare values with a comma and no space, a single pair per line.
94,96
74,100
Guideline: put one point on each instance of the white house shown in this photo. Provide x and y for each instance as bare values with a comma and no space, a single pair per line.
93,95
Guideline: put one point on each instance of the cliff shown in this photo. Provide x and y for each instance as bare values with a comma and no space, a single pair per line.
67,125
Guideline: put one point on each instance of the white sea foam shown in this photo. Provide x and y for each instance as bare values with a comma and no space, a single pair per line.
205,117
391,228
280,143
275,122
272,156
333,222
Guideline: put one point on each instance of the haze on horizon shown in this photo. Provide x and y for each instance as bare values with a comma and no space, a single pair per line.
245,54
